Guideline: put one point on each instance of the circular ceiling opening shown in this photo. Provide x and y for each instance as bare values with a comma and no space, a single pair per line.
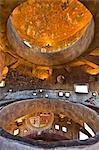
50,24
43,31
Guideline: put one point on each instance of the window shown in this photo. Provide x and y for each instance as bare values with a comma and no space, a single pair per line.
64,129
16,132
56,127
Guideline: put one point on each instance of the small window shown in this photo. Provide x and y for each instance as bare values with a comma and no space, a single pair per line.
16,132
67,94
89,129
46,95
82,89
34,94
60,94
82,136
56,127
27,44
64,129
41,90
2,84
94,94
